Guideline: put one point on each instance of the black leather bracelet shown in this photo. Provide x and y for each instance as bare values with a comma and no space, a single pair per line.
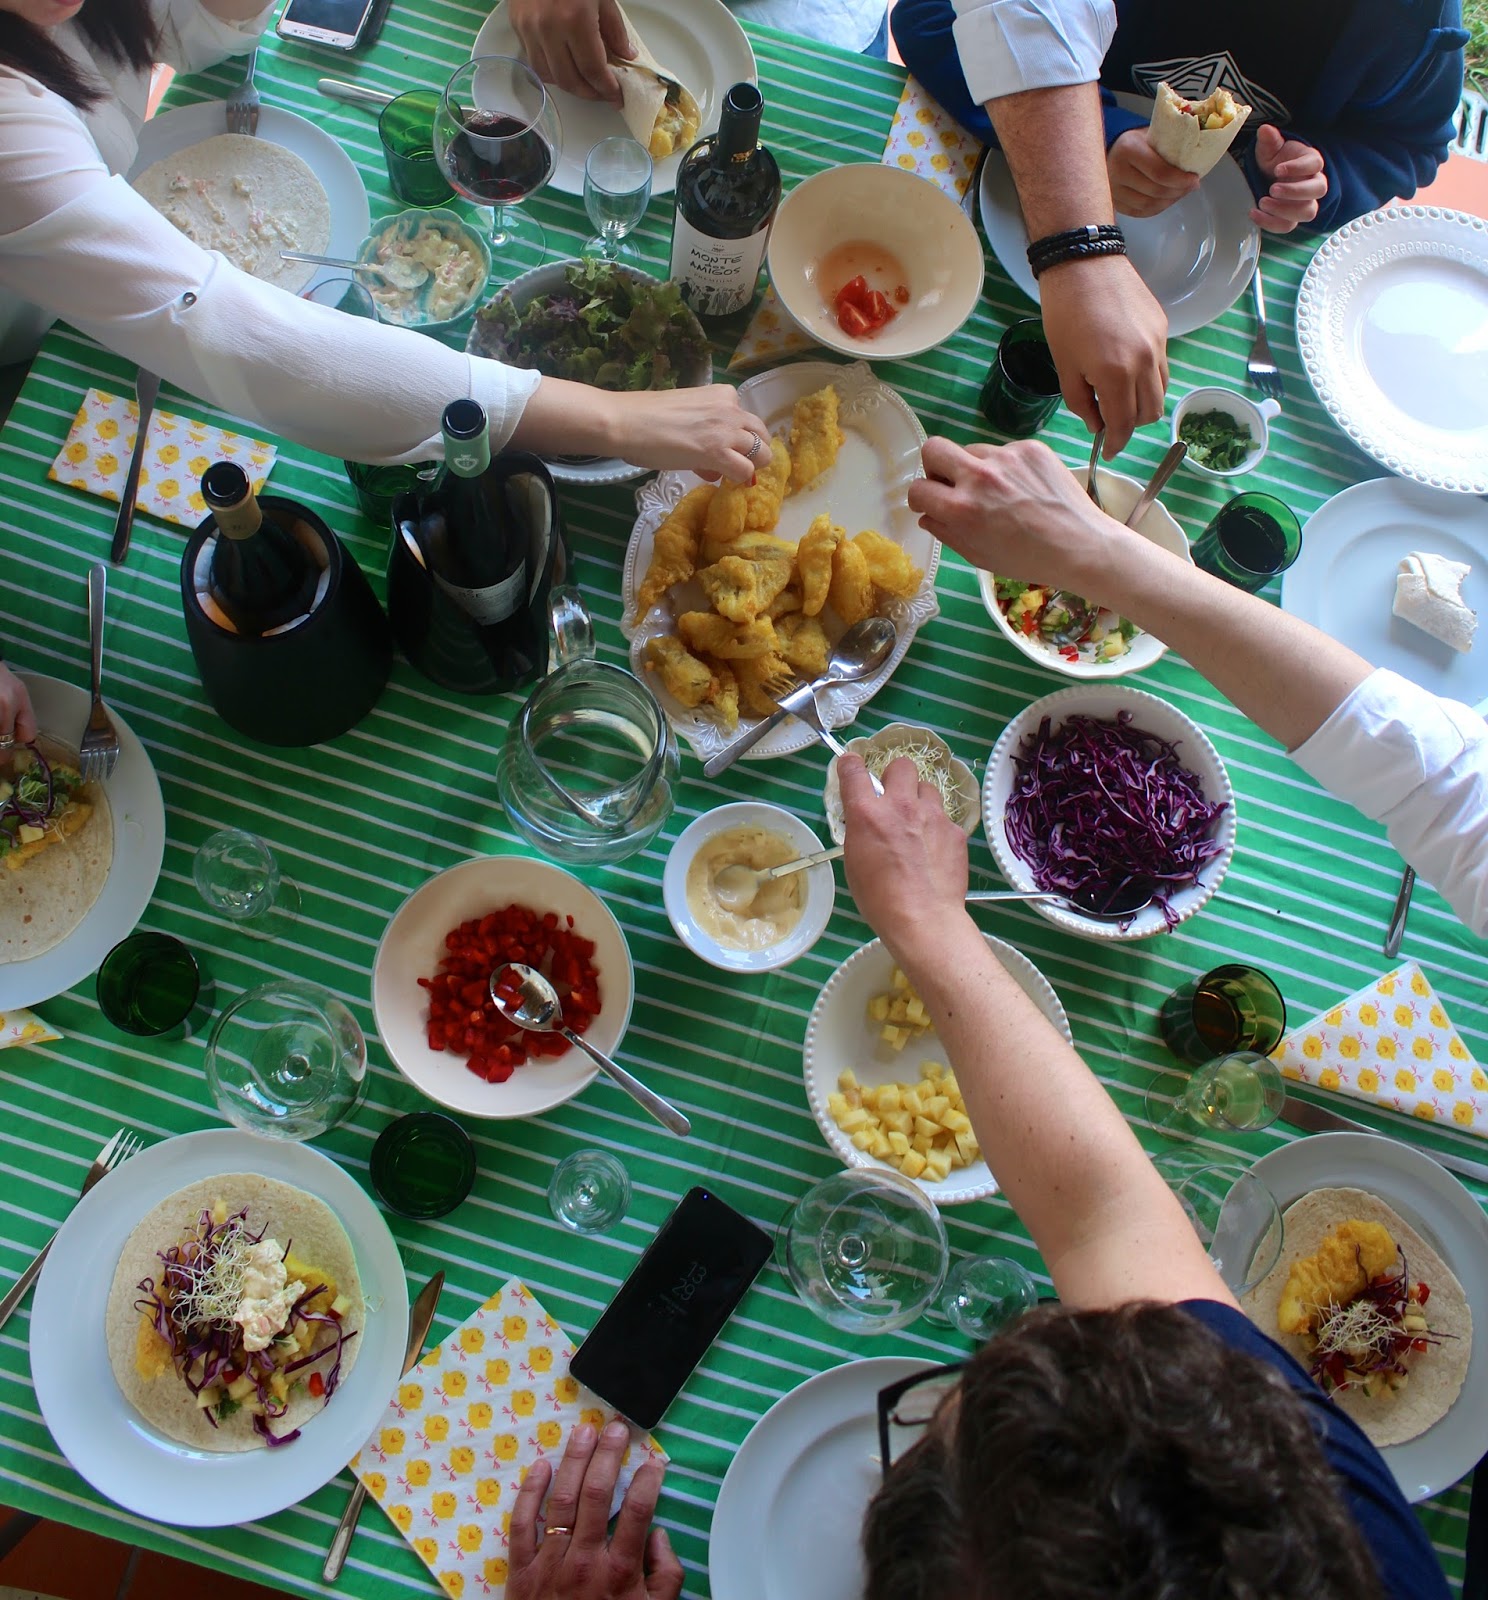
1076,244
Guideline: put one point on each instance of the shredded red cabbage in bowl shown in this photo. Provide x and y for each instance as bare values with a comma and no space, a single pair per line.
1106,814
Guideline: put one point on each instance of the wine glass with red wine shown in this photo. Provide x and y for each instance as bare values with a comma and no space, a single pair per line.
496,136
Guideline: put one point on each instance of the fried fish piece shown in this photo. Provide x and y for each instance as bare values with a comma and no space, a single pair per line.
727,512
888,564
784,603
674,551
740,590
706,633
762,681
724,701
764,496
851,593
687,679
1346,1262
814,562
815,437
752,546
803,643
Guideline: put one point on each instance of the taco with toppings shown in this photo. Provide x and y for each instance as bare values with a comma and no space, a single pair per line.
661,114
1194,134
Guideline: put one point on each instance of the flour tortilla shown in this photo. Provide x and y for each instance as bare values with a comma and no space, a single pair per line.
249,198
45,899
643,93
297,1220
1180,140
1437,1374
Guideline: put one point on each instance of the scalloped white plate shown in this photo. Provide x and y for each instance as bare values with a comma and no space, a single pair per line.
1392,327
868,488
839,1035
1156,716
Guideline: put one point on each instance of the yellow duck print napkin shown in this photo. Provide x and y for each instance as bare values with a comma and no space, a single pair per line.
923,139
19,1026
177,451
467,1422
1391,1044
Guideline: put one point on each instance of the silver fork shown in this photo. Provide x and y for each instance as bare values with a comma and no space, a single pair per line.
99,751
119,1149
242,103
1260,364
1091,487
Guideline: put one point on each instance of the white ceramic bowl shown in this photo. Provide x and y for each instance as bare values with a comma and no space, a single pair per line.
413,943
839,1035
1119,494
1253,414
406,224
962,777
917,223
821,887
1153,716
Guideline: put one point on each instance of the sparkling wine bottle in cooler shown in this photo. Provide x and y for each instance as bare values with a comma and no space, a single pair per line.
728,187
262,574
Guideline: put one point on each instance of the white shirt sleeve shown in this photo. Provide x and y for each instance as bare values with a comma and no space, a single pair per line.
1419,765
1007,46
87,247
192,38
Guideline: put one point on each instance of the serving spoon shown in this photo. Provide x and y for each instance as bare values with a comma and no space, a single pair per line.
538,1010
401,274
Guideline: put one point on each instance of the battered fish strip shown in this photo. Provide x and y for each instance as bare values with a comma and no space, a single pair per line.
674,552
815,437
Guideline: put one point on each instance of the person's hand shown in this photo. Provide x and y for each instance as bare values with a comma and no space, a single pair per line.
1015,510
16,716
905,858
1298,180
1142,183
568,43
705,429
636,1563
1109,340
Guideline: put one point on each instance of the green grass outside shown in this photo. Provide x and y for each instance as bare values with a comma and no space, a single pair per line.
1475,20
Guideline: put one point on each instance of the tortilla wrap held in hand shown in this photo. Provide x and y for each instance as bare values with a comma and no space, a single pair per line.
661,115
1193,135
1436,1373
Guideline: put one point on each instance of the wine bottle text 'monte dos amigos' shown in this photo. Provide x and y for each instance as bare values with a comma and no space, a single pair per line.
728,187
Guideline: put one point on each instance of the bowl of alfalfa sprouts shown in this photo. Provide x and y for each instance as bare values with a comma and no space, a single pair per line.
933,761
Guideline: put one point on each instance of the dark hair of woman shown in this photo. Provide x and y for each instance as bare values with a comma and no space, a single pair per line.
123,31
1128,1453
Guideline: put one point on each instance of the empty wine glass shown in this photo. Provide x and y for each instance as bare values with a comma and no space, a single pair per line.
865,1250
983,1295
589,1191
287,1060
617,189
238,877
496,134
1234,1214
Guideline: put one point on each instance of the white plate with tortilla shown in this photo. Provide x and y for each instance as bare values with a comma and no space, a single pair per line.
1392,328
1196,257
1344,580
138,815
1442,1211
106,1440
700,43
173,132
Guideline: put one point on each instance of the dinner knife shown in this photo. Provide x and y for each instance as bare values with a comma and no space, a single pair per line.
146,388
793,704
353,94
1318,1119
419,1318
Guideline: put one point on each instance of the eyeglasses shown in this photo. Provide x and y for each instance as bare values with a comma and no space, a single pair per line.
906,1409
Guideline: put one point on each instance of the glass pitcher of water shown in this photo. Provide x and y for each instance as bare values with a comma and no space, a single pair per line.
589,767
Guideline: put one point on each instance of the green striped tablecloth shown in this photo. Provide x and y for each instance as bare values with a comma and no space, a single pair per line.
1308,896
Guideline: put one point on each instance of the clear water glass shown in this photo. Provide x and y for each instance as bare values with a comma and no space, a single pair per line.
617,190
238,876
286,1060
865,1250
1241,1092
1234,1214
343,294
983,1295
589,1191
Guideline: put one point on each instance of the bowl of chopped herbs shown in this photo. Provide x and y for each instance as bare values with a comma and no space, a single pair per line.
1226,433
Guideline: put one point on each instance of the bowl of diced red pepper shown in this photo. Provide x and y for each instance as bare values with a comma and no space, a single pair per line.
430,985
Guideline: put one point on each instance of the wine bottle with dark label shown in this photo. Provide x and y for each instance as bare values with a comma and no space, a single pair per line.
728,187
262,576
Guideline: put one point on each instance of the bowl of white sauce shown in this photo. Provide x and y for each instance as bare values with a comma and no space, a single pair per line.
787,915
439,267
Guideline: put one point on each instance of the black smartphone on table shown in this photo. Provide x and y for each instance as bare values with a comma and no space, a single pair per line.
672,1307
336,24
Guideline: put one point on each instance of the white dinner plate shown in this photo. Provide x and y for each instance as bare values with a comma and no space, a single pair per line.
351,217
1196,257
1450,1220
700,41
839,1035
867,488
1344,580
1392,327
139,844
788,1524
102,1435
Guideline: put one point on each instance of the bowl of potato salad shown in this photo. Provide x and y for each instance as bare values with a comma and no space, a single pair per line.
880,1084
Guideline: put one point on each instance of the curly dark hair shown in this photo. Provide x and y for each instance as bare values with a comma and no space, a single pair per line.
1125,1455
121,30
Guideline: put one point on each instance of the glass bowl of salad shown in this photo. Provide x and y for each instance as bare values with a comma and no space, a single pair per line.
1226,433
1075,635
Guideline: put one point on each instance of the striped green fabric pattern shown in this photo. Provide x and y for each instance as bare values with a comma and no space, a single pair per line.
363,821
